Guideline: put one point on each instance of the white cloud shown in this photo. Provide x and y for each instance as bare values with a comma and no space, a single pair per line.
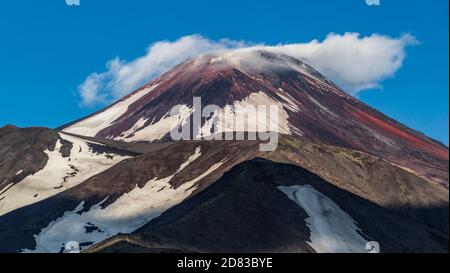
353,62
122,77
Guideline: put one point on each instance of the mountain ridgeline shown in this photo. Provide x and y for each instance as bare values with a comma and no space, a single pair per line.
343,174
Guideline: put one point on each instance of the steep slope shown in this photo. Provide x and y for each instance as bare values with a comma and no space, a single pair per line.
37,163
115,180
120,199
138,190
309,106
252,209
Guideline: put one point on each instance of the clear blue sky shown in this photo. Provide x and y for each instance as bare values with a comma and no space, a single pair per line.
48,48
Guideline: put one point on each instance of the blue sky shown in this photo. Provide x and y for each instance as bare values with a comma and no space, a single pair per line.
47,48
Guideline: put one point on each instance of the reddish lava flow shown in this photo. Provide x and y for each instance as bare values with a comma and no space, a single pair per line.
391,129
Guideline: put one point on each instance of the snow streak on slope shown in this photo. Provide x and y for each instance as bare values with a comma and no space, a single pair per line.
94,124
245,116
332,229
191,159
129,212
241,116
158,129
290,102
60,173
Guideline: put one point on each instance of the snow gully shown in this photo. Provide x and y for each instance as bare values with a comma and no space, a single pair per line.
249,123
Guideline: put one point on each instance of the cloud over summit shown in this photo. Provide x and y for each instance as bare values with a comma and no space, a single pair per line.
353,62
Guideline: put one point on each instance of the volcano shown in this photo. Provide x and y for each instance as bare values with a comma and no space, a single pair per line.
343,174
312,107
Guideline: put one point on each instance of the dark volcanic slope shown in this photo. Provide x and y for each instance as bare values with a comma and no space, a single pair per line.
37,163
109,187
133,190
19,226
22,152
244,211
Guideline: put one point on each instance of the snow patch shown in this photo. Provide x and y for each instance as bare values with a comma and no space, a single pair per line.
138,125
92,125
59,174
292,104
129,212
191,159
332,229
234,118
158,129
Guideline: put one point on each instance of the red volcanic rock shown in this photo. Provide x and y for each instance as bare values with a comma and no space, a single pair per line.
317,109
